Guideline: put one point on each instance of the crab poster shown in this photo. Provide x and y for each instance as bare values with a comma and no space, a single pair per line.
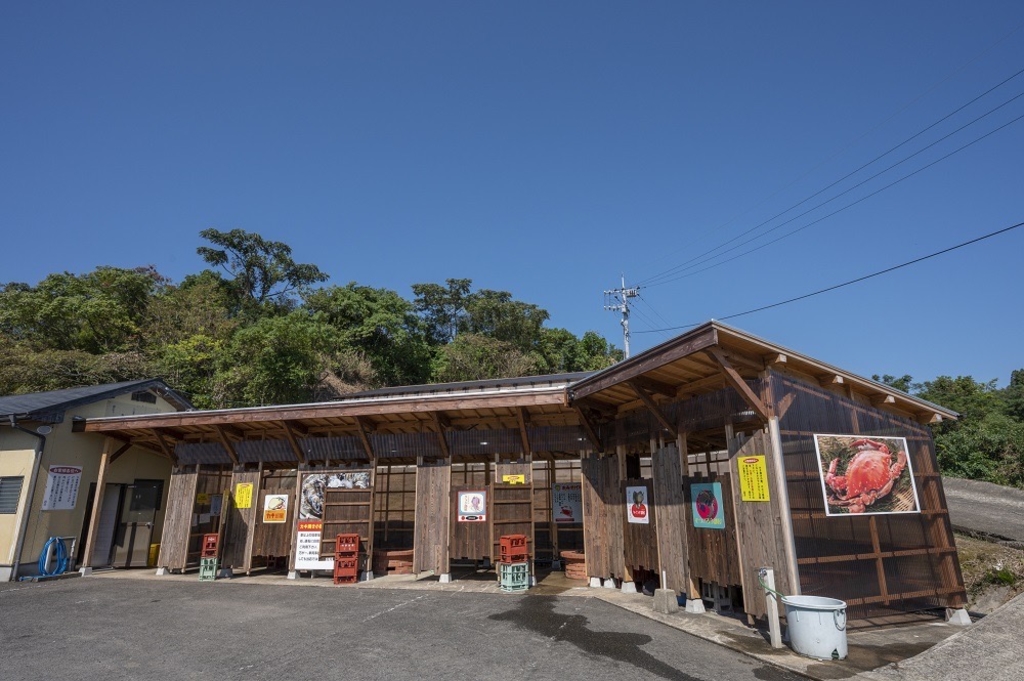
708,509
567,502
865,475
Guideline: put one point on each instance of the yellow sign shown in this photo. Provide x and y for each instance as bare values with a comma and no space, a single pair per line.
514,479
203,498
753,478
243,495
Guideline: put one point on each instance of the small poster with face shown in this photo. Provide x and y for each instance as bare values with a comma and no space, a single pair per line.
866,475
637,509
472,506
707,508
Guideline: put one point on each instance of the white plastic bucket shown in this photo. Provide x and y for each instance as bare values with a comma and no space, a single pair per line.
817,626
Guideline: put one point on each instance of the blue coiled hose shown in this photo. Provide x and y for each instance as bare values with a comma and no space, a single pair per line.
60,553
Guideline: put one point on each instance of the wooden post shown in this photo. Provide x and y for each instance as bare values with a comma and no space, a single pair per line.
97,503
785,513
772,606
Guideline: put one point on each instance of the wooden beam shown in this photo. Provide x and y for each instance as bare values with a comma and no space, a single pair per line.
652,406
229,446
120,450
653,386
290,433
441,423
164,449
880,400
929,418
588,428
366,426
737,382
648,361
414,405
830,380
97,501
775,358
523,418
692,387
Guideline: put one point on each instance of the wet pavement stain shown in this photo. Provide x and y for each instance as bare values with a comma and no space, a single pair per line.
537,614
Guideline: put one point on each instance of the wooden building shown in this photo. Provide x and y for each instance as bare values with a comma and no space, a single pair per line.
698,462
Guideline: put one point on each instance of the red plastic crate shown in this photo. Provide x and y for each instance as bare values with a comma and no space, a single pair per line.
210,543
346,564
513,548
345,579
346,544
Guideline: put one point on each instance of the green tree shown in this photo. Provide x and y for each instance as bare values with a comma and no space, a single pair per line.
276,360
902,383
262,271
379,325
442,308
98,312
497,315
473,357
562,352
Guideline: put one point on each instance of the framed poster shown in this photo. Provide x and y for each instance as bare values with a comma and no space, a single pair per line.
309,519
275,508
472,506
637,509
567,503
865,475
707,507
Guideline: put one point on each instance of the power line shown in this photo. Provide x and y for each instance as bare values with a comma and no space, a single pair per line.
686,273
652,280
851,281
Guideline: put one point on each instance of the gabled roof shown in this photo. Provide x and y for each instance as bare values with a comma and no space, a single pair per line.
50,406
714,355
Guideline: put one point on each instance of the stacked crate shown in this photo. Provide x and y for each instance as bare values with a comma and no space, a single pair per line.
514,566
346,559
208,557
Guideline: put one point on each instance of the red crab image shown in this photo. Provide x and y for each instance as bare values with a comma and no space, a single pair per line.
870,475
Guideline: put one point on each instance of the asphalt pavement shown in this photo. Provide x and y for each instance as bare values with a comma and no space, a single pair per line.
128,625
981,508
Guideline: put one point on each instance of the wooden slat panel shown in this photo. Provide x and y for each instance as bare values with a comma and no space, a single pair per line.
672,518
615,515
274,539
347,511
471,541
758,527
603,516
512,513
640,540
713,553
594,543
181,496
240,523
433,508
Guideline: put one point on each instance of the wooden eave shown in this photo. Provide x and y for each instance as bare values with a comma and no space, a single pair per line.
692,364
494,410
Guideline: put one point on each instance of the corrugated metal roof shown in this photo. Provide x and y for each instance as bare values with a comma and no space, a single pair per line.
467,386
51,405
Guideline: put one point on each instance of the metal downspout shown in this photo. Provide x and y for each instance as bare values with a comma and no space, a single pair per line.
23,530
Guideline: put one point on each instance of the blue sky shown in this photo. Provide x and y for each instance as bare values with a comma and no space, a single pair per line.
544,149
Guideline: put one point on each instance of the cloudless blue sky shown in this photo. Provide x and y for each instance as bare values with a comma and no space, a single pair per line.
544,148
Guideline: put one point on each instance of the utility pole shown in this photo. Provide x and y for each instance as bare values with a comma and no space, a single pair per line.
617,300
